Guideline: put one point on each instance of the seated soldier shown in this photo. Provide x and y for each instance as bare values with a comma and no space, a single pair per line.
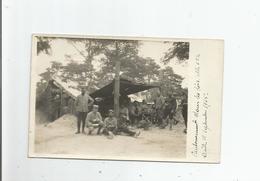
110,125
144,123
123,126
94,120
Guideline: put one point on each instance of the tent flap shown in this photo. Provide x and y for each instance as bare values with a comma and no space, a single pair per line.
126,88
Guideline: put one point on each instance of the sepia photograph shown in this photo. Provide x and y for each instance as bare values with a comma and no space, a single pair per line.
110,98
130,90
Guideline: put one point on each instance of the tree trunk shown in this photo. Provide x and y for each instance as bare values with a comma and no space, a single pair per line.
117,85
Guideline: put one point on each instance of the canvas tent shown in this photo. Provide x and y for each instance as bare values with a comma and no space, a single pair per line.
59,96
68,87
134,98
127,87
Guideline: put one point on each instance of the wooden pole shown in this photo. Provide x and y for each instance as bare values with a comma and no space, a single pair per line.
117,83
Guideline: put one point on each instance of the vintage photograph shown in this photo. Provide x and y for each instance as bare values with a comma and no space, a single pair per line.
109,98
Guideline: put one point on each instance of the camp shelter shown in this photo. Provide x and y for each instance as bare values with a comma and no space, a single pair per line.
127,87
69,87
58,98
136,98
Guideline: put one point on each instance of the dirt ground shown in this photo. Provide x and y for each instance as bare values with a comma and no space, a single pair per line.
59,137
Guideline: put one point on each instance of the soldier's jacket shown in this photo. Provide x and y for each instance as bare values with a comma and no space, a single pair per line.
123,122
110,122
82,103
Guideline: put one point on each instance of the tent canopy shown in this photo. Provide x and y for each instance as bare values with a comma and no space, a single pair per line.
126,88
69,87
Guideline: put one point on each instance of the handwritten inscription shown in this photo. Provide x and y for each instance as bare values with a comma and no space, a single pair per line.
200,115
196,109
204,127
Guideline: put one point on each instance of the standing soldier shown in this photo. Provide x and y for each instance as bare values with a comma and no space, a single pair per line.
145,117
185,111
82,103
159,103
170,111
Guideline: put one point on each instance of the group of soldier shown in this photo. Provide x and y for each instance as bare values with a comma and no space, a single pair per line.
110,126
162,113
139,115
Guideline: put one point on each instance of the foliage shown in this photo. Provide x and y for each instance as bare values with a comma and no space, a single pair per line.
180,50
43,45
46,76
119,50
107,52
91,47
170,82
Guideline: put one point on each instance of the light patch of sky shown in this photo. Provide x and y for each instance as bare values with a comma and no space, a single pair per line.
61,48
156,50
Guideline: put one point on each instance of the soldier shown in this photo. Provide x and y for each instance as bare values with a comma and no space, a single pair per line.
82,103
185,111
94,120
123,126
145,121
110,125
133,113
170,111
159,103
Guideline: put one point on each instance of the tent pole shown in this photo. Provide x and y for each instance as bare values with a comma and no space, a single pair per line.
117,84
